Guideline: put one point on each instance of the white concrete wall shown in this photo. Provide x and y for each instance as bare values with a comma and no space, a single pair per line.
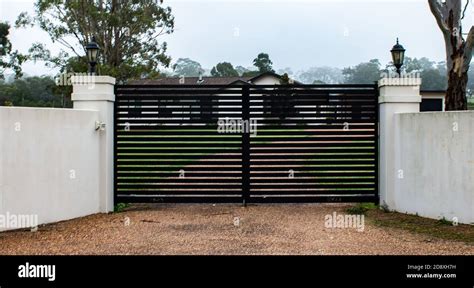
49,163
434,156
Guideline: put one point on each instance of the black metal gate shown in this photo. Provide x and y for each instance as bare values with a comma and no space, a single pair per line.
253,144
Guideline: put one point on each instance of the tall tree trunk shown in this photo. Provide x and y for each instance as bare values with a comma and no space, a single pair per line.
456,94
457,75
449,15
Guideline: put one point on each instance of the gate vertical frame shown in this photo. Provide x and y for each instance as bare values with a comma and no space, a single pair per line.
115,164
246,145
377,143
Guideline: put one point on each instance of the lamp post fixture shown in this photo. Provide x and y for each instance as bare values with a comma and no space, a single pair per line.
398,56
92,53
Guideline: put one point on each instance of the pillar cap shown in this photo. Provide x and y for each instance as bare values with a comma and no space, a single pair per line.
402,81
89,79
400,90
92,88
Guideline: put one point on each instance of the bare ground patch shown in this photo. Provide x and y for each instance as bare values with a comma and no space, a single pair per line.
210,229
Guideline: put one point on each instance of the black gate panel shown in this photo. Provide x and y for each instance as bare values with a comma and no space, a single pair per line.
314,144
303,143
168,146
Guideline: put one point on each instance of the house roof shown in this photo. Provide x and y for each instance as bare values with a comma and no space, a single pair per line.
265,74
192,81
206,80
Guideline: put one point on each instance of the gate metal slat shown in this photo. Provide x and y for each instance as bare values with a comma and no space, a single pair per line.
329,93
151,121
329,149
326,126
125,173
261,132
125,103
180,191
291,147
207,129
183,187
177,199
311,186
185,138
318,138
212,168
311,156
272,164
235,163
185,145
183,180
325,168
312,199
217,174
313,192
181,157
182,92
299,180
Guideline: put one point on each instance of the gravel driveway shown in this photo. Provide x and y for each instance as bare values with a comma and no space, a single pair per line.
214,229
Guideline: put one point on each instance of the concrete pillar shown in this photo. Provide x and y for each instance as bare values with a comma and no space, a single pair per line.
397,95
97,93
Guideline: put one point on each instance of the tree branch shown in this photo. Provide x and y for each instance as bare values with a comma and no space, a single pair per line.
464,11
439,11
468,49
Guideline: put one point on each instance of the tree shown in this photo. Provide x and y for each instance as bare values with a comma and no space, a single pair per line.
433,80
321,75
433,74
241,70
32,92
251,73
280,105
9,59
287,71
187,67
263,63
224,69
368,73
126,31
418,65
449,15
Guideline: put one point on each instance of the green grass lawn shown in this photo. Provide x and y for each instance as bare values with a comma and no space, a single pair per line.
441,229
471,104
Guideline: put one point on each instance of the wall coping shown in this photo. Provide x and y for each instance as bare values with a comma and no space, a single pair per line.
403,81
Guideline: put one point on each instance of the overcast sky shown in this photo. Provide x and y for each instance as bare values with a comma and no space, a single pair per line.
296,34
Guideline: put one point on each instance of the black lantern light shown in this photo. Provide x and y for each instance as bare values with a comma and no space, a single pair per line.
398,56
92,54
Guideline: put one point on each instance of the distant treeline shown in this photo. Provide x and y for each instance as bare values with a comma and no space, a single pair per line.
44,92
